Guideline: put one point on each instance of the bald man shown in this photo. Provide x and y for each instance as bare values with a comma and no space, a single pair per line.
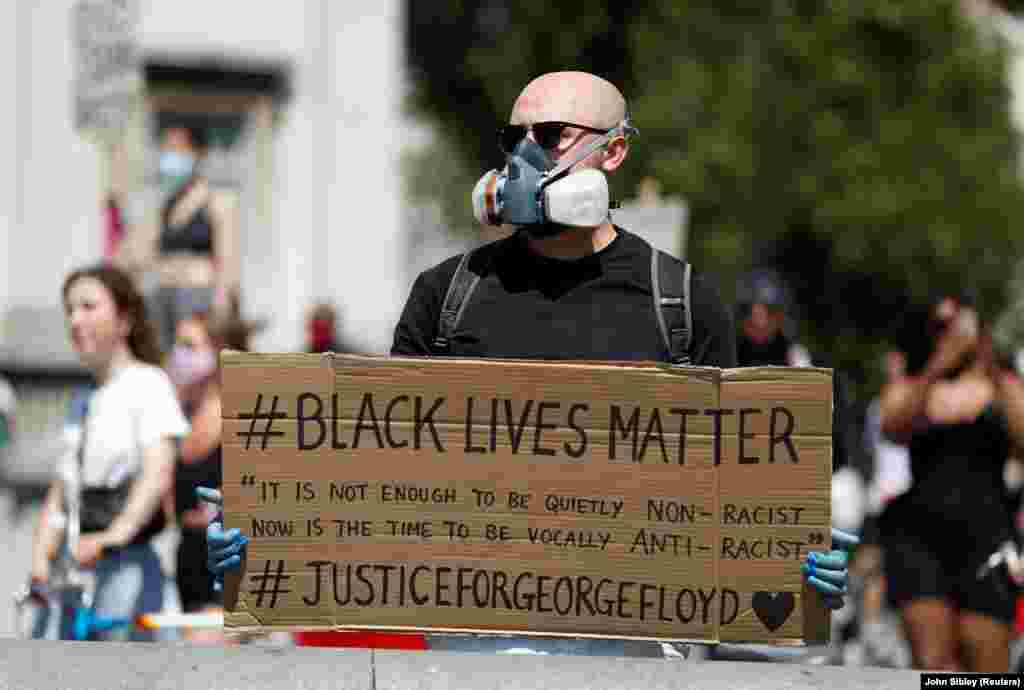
558,292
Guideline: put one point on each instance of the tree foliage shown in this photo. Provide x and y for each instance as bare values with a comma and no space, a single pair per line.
1014,6
863,147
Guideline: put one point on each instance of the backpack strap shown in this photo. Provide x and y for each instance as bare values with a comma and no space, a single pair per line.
670,287
455,300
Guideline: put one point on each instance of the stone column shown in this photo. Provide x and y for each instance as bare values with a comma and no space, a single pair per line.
363,234
13,48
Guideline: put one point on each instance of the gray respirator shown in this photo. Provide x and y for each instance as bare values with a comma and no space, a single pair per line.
536,195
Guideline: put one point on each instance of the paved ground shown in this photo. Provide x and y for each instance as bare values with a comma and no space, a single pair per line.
28,666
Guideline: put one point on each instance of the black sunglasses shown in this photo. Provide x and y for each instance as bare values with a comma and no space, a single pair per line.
546,134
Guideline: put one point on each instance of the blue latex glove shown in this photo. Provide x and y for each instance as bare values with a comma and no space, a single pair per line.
224,549
827,571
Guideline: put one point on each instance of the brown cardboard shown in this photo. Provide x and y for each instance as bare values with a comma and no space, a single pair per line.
385,471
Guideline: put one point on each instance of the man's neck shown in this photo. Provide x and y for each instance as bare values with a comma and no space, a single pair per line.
575,243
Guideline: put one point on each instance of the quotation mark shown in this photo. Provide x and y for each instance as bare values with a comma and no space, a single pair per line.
273,590
816,539
257,415
248,480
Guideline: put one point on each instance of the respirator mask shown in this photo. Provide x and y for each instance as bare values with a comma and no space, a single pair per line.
538,196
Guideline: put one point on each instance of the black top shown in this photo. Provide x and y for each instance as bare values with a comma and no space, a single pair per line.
194,236
958,483
528,306
944,457
773,353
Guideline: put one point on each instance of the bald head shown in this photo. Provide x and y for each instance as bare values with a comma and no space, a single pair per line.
576,97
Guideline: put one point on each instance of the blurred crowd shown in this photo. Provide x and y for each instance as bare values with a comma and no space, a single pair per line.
925,472
928,474
152,415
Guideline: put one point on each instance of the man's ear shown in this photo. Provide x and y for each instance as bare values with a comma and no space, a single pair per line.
615,154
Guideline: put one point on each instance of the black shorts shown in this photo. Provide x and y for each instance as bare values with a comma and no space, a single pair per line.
926,561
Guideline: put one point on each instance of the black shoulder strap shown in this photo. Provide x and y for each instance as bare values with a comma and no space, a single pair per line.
463,283
670,285
83,438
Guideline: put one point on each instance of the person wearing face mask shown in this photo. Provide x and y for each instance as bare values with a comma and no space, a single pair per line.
195,259
104,507
568,284
193,370
322,330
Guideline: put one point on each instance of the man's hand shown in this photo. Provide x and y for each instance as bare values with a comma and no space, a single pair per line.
827,571
224,549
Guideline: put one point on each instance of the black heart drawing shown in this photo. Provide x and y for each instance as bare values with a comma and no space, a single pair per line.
773,608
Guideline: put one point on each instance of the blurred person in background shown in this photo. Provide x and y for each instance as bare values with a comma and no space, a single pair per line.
961,413
762,304
194,368
322,330
121,459
891,461
889,476
198,226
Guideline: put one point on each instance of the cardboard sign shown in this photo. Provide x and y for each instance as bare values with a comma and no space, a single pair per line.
575,498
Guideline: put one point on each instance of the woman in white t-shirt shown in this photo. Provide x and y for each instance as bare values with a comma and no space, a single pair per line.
120,461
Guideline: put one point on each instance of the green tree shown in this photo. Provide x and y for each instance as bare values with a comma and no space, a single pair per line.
863,147
1014,6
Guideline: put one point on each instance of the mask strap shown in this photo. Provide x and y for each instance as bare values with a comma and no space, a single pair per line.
605,139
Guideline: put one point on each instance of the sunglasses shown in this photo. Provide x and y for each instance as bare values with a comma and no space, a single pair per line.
546,134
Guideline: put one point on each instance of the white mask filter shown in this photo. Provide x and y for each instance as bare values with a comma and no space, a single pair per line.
486,198
578,200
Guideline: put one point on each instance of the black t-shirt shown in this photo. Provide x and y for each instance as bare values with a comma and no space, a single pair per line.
528,306
773,353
